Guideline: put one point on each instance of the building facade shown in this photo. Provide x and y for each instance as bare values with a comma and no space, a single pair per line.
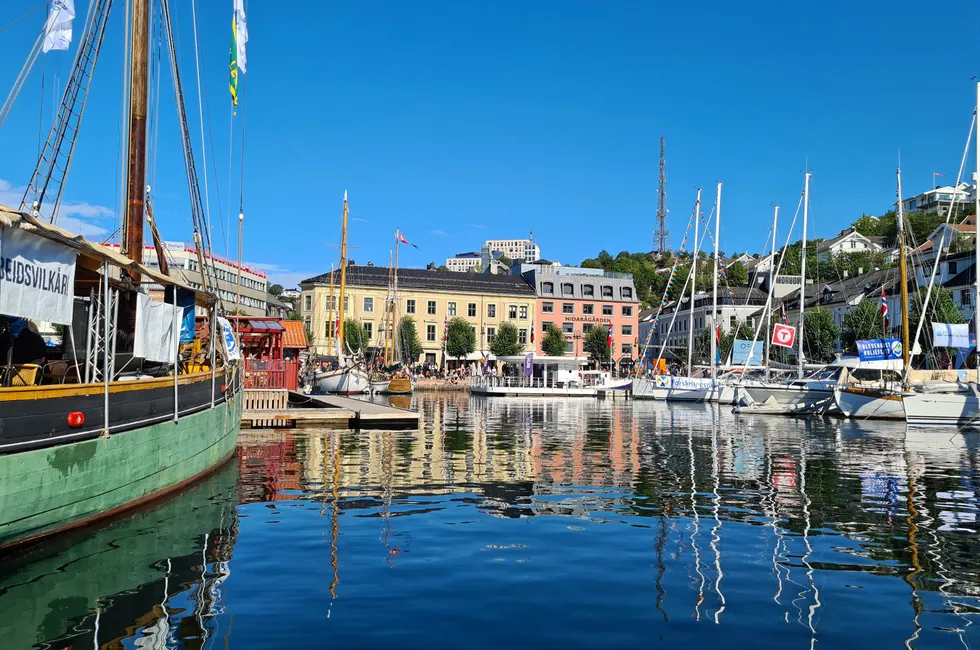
430,297
464,262
735,305
183,265
514,249
577,299
941,198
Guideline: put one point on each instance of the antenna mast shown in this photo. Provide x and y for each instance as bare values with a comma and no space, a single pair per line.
661,238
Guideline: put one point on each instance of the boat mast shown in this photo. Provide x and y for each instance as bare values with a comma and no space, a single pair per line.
394,305
772,286
903,279
714,289
332,330
976,240
806,206
694,289
343,282
136,162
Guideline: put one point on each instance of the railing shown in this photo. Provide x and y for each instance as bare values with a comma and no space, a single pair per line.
265,373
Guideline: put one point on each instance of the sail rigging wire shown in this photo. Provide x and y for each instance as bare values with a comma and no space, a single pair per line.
27,15
214,158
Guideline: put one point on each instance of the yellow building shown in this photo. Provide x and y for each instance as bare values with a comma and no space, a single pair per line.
430,297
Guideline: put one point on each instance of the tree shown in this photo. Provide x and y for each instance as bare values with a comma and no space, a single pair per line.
554,343
294,315
820,335
942,309
355,336
596,344
442,267
961,243
275,290
408,338
861,324
504,342
737,274
702,342
460,338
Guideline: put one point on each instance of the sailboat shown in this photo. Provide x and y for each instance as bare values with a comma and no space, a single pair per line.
349,376
140,400
390,378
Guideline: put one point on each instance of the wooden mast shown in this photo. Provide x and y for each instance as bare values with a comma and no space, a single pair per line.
343,282
136,162
903,280
331,328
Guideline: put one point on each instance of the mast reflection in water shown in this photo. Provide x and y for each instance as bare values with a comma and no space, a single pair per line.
537,523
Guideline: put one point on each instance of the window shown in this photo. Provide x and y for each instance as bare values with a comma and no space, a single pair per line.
522,336
432,309
627,349
548,288
570,347
853,244
451,309
523,309
586,328
568,308
369,304
952,268
627,310
471,310
545,326
965,297
588,309
547,308
410,306
306,321
512,311
430,332
626,293
347,303
588,290
491,311
308,303
567,289
568,328
627,330
607,310
329,333
430,358
368,330
490,333
607,291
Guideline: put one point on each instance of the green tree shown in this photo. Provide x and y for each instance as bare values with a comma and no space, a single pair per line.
408,339
737,274
355,336
460,338
596,344
702,342
442,267
861,324
294,315
554,343
276,290
942,309
504,342
961,243
820,335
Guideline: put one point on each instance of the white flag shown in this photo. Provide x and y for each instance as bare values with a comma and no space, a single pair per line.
241,33
57,35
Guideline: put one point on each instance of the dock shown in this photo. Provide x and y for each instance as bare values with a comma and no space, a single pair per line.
270,408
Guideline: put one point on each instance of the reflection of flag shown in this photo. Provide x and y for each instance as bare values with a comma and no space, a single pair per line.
57,34
401,238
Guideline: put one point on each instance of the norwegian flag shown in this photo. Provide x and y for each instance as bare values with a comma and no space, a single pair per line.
609,338
884,308
400,237
532,331
783,314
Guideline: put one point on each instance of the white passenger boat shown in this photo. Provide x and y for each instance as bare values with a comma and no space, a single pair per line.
550,376
347,380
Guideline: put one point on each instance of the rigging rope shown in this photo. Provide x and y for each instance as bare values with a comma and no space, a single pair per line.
27,15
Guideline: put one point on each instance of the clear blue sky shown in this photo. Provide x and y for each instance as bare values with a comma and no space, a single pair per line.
463,120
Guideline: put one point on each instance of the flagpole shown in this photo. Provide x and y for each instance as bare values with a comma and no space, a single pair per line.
772,285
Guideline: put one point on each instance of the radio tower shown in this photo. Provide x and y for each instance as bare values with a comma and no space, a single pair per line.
661,238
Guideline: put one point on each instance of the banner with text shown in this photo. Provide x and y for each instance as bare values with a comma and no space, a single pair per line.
947,335
231,343
37,277
741,356
529,365
879,349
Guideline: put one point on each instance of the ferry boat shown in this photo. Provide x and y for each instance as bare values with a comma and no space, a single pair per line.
549,376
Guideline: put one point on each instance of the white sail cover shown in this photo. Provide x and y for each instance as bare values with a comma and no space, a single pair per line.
241,33
57,33
946,335
37,277
154,330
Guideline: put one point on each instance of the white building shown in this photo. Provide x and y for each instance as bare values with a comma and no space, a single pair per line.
464,262
514,249
849,241
940,198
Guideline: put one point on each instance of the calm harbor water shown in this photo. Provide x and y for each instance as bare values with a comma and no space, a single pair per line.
534,523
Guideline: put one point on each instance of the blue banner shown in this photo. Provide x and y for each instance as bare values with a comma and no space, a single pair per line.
879,349
741,356
529,365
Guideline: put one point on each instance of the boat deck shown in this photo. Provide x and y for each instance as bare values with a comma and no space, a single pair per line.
330,411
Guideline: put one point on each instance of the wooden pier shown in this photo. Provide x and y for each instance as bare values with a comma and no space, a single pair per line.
270,408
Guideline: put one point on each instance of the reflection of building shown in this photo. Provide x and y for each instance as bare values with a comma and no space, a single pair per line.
431,298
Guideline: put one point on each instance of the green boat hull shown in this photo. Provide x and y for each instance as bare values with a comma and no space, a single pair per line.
47,490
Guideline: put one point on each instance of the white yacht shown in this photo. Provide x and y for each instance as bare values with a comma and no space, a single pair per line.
549,376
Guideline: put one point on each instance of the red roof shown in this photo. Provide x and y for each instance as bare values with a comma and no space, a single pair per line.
295,335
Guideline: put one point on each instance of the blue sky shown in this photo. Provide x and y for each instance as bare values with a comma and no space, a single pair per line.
463,120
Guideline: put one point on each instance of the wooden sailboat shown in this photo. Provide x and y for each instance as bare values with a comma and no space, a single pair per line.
391,379
109,423
349,376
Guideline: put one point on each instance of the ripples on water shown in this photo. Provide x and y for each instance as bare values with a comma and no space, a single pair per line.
534,523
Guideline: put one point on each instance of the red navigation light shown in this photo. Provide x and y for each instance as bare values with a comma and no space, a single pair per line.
76,419
224,389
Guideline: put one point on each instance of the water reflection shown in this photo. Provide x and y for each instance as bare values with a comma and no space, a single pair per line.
538,523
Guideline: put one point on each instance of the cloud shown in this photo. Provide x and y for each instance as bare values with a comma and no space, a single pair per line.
358,219
439,233
278,274
11,195
478,225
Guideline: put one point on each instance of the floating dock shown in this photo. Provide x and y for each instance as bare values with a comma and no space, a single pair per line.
270,408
